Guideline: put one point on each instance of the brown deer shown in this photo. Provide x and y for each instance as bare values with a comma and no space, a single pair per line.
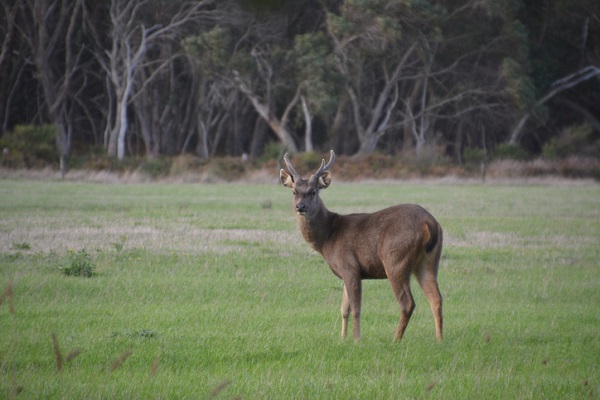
392,244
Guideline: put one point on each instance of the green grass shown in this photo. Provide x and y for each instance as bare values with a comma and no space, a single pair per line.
200,291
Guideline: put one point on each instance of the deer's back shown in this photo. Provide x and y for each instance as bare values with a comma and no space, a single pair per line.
367,241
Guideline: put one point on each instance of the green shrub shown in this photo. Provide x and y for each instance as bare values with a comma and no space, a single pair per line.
272,151
156,167
21,246
185,163
473,155
120,244
574,140
79,264
308,161
508,151
29,146
228,168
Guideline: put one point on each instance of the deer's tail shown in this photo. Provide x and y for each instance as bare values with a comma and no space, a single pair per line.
435,234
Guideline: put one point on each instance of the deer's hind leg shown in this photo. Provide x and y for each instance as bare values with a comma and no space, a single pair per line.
401,288
432,292
427,278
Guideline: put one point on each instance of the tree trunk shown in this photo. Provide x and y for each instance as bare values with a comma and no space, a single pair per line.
265,112
458,142
258,138
367,145
63,143
308,145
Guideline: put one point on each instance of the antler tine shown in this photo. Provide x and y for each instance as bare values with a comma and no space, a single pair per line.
296,175
325,167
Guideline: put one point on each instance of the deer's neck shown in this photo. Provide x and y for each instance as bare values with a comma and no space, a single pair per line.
317,229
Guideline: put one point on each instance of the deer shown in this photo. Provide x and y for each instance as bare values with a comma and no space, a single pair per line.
394,243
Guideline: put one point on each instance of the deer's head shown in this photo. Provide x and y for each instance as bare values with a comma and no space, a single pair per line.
306,200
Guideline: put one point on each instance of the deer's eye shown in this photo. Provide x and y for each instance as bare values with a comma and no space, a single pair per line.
294,192
314,193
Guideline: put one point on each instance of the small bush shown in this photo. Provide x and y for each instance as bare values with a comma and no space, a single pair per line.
574,140
143,334
379,162
272,151
507,151
21,246
185,163
120,244
29,146
156,167
80,264
228,168
473,155
309,161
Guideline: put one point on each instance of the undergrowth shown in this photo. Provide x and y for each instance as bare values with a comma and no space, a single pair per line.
79,263
509,162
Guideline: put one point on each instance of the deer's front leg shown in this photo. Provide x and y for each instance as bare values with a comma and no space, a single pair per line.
345,312
351,303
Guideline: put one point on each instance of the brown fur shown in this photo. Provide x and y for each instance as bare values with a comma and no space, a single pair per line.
393,243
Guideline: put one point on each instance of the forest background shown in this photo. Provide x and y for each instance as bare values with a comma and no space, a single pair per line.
112,83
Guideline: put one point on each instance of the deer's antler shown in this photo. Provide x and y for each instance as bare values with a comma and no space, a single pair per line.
293,172
325,167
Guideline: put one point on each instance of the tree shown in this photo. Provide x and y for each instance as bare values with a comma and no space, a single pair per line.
264,107
131,41
371,58
217,105
56,54
11,68
562,53
230,63
408,70
313,66
216,99
158,77
558,86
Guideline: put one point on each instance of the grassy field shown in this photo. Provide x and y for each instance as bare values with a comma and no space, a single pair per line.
204,291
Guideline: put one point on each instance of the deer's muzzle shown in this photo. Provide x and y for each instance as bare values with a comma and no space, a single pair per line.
301,208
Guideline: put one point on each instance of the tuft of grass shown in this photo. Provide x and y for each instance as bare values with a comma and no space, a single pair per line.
141,334
58,357
154,367
118,246
118,362
79,264
8,294
219,388
73,354
21,246
266,204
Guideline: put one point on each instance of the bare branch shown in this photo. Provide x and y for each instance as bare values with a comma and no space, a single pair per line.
292,104
558,86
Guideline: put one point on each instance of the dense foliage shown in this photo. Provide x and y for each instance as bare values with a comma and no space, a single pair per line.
155,77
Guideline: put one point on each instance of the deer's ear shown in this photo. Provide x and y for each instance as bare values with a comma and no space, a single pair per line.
325,180
286,179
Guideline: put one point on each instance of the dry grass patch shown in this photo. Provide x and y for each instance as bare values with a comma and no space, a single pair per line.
51,237
493,240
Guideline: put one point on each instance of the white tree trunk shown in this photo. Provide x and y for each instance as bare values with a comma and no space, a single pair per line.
308,145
